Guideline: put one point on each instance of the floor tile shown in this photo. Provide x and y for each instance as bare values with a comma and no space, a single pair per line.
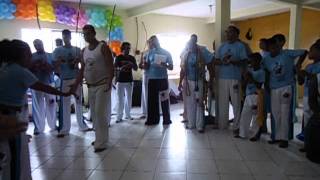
192,176
85,163
265,168
105,175
165,165
57,163
46,174
142,164
201,166
236,177
137,176
232,167
170,176
74,175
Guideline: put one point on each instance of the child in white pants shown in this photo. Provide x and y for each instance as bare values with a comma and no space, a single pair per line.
255,77
280,64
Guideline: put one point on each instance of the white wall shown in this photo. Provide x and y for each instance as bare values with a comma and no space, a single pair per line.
156,24
12,29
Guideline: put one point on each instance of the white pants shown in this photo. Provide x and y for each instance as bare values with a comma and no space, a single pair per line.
144,95
195,108
184,96
280,107
43,106
22,156
114,100
248,116
307,113
124,90
65,108
100,105
229,88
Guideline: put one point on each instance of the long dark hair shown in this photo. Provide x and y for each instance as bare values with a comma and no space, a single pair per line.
4,49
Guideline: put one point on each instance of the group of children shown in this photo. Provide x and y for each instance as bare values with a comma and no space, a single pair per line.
271,79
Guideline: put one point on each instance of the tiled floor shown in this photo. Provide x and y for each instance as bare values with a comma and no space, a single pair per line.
137,152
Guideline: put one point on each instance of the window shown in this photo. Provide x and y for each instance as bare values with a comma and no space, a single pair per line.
174,43
48,36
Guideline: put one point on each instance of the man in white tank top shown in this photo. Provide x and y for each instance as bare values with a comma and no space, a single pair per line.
97,70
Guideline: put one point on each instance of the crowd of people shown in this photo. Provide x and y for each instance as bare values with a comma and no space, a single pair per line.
254,83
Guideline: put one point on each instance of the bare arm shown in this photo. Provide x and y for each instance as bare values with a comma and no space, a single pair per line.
301,60
105,50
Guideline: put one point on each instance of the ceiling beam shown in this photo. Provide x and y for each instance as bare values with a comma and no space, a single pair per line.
254,11
153,6
307,2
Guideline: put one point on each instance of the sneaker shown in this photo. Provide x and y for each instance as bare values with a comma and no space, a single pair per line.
36,133
254,139
97,150
61,135
201,131
236,132
142,117
184,121
167,122
283,144
119,121
303,150
128,118
273,141
300,137
87,129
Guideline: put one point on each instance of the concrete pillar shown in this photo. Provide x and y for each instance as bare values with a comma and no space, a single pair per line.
222,19
295,26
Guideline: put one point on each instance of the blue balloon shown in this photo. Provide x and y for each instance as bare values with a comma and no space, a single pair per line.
12,8
4,7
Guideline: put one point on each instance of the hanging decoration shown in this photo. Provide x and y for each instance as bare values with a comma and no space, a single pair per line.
97,17
116,34
26,9
46,11
115,46
7,9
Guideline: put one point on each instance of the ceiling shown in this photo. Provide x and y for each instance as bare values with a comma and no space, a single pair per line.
201,8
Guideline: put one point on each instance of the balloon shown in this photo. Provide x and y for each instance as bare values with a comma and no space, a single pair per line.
25,9
64,14
96,17
7,9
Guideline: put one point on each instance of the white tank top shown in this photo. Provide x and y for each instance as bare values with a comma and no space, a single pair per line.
95,71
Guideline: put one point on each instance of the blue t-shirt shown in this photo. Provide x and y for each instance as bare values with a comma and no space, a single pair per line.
44,76
68,55
313,69
156,71
191,62
259,76
15,81
238,52
282,67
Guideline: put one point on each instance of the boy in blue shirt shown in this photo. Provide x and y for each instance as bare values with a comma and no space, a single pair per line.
304,79
66,59
254,77
156,66
15,80
43,105
231,57
280,64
